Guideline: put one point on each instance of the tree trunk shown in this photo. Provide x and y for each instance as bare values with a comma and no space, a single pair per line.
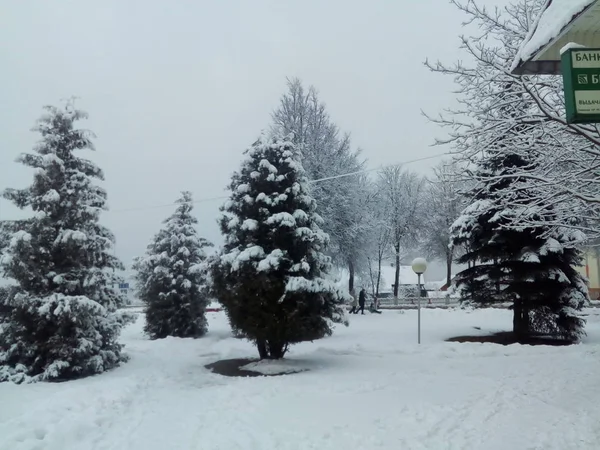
517,317
496,262
397,275
378,277
276,350
525,325
371,276
521,319
351,278
449,268
261,345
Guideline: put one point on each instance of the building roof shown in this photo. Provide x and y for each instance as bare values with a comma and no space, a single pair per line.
388,275
561,22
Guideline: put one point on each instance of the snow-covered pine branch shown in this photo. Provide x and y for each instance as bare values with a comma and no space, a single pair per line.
172,278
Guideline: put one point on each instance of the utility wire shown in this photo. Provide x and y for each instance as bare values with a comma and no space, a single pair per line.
143,208
359,172
320,180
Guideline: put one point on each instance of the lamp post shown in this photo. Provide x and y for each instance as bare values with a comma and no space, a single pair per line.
419,266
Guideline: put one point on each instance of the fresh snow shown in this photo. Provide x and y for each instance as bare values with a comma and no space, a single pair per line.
302,284
388,276
19,236
369,386
272,261
300,215
265,164
551,22
276,367
243,188
570,46
51,196
530,257
283,219
250,225
250,253
71,235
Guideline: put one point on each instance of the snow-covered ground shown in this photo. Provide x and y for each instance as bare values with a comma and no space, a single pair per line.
369,386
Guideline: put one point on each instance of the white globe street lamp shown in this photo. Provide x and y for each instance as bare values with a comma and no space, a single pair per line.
419,266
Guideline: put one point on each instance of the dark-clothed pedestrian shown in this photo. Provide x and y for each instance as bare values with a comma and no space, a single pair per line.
362,299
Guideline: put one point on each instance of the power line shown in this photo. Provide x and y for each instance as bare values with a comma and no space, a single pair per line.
360,172
319,180
143,208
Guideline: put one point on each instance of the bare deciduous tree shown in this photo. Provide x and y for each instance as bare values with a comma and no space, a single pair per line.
327,154
402,196
443,203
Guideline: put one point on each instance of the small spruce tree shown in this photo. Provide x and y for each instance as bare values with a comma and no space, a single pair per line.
271,276
61,321
172,277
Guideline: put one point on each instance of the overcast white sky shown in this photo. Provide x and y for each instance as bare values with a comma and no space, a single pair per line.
176,90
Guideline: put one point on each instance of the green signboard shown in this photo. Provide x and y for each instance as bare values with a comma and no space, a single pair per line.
581,77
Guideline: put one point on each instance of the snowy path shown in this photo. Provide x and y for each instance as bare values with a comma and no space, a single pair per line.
370,386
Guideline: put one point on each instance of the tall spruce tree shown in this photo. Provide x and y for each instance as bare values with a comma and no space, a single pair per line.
533,267
172,277
271,274
61,320
518,230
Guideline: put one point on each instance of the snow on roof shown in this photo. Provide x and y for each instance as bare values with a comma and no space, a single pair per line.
434,285
388,275
555,17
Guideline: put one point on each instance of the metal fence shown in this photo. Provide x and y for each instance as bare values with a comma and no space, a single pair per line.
431,301
399,303
444,302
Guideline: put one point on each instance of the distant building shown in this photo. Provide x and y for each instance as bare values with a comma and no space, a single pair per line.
388,277
591,269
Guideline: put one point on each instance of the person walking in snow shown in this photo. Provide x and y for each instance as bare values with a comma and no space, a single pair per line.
362,299
354,303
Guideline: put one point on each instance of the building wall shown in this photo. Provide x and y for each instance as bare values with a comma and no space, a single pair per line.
591,269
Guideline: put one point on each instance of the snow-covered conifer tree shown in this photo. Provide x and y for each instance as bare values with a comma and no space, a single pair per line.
62,319
271,274
518,230
172,277
533,268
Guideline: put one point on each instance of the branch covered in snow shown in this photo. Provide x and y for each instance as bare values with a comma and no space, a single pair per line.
526,114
